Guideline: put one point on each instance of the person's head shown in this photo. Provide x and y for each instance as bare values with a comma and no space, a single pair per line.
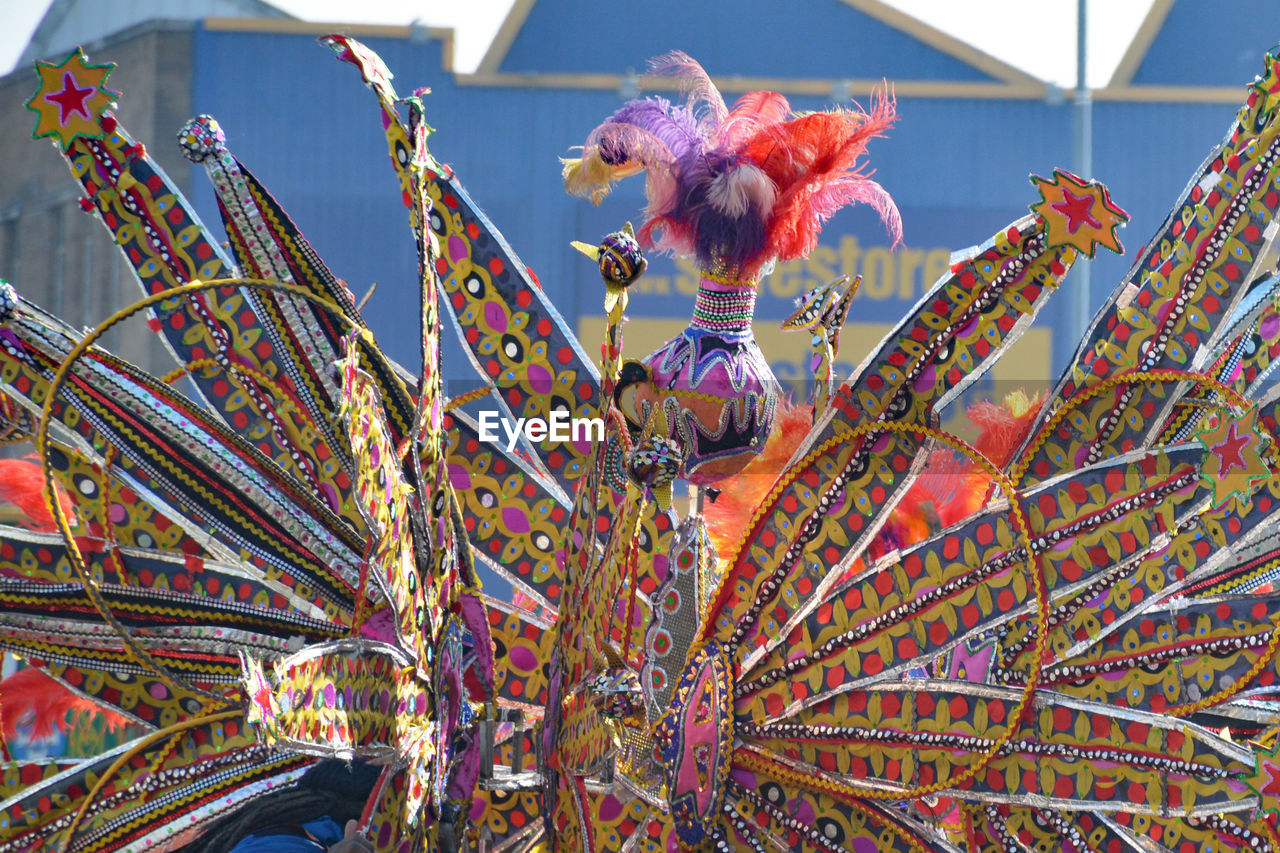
331,788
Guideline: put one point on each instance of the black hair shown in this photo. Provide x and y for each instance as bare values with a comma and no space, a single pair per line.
331,788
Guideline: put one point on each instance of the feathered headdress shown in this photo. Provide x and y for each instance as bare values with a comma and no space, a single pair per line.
734,188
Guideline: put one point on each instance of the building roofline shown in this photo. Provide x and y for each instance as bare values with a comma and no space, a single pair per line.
99,44
1024,87
59,9
1004,73
839,89
857,88
444,35
1172,94
52,17
284,26
946,43
505,37
1140,45
1033,90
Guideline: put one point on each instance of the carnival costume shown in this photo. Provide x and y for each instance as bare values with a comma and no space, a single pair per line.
878,637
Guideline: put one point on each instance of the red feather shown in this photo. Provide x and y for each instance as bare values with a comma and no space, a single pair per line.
22,486
33,699
813,161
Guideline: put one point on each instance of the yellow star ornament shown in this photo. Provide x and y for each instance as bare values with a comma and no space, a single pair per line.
71,99
1233,456
1266,89
1078,213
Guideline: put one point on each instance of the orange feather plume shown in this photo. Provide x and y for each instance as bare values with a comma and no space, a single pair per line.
22,487
742,494
42,705
950,488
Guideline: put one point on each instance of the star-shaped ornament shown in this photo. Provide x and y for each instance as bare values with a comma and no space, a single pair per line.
1267,86
1265,781
1233,459
71,99
1078,213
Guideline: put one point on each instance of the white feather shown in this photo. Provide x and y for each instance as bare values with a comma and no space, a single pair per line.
740,189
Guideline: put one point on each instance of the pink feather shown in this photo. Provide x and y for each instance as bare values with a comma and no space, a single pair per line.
752,113
695,85
831,199
667,234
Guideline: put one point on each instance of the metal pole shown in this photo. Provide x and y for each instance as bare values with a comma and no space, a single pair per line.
1081,299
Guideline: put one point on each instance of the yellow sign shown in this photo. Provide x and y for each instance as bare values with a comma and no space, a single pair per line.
1027,366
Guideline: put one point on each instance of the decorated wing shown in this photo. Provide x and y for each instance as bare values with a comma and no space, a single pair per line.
518,342
1169,315
197,541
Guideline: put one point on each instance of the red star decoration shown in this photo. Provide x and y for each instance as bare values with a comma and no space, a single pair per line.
263,697
1231,450
71,99
1271,786
1077,213
1076,208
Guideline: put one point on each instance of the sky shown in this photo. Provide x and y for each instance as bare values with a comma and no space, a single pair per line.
1038,37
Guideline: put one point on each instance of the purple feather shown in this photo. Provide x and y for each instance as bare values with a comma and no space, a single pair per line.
680,195
717,236
695,84
675,126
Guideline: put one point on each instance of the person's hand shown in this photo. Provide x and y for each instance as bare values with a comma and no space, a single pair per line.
352,841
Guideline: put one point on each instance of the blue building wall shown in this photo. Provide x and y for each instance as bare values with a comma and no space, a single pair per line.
821,39
958,169
1206,43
